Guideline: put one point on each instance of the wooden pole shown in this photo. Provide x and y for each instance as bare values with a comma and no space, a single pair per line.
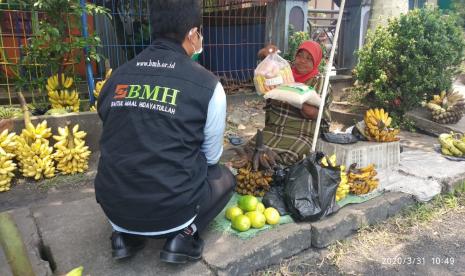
328,71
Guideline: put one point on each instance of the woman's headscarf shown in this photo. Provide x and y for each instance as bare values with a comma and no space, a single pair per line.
314,49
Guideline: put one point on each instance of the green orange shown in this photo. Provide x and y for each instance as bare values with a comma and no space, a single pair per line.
233,211
241,223
260,207
272,215
257,219
248,203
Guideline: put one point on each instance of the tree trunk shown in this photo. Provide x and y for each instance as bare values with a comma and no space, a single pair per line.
381,10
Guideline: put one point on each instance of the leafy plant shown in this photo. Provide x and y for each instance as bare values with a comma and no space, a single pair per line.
458,6
412,58
294,41
57,40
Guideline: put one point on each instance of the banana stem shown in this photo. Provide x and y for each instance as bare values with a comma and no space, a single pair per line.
60,71
70,135
22,102
13,247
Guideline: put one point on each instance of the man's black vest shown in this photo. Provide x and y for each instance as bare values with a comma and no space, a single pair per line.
152,174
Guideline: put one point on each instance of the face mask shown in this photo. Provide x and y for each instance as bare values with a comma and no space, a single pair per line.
197,53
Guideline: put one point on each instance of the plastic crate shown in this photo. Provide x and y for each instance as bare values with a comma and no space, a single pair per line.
382,155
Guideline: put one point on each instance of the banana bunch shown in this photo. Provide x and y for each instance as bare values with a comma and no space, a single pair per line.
59,111
452,144
329,161
7,142
98,88
362,181
72,155
41,132
57,83
261,157
7,166
344,187
377,124
63,98
33,151
10,112
60,93
447,108
250,182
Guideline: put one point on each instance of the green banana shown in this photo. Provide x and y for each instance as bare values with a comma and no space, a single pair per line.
446,151
460,145
446,141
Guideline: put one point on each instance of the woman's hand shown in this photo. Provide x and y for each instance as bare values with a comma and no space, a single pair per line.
309,111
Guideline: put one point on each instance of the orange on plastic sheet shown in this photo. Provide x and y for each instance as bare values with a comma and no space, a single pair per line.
272,216
233,212
247,203
257,219
241,223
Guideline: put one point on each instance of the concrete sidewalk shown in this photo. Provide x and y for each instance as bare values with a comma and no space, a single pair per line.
76,233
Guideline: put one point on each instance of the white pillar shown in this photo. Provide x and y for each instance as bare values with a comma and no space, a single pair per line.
281,13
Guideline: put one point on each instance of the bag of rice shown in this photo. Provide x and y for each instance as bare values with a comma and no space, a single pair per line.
295,94
271,72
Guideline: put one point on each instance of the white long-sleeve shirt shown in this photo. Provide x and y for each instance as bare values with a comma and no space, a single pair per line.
212,146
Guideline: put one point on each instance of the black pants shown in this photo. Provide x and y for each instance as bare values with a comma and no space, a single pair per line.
221,182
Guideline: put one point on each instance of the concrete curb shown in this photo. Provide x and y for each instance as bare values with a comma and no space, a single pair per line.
351,218
32,240
227,255
421,119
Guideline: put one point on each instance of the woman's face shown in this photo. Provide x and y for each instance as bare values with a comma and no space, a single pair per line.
303,62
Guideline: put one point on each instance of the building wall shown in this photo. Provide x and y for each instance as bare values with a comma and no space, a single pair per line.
321,4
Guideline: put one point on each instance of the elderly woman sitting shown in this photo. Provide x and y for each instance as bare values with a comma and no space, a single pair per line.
288,130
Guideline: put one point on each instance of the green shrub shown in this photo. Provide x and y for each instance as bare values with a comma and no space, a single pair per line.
412,58
458,6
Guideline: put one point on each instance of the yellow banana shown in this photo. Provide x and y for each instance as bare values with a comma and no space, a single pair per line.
324,162
332,160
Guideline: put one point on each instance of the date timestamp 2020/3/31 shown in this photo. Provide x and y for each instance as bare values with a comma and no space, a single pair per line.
408,260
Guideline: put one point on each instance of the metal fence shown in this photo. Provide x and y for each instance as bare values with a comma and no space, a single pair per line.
322,27
234,31
18,25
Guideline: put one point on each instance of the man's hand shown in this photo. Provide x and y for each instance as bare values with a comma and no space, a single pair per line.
265,51
309,111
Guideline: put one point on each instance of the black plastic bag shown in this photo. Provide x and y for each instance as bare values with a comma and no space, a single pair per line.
275,196
310,189
340,138
359,131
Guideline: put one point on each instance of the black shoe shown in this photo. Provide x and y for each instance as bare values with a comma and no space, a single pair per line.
181,249
125,245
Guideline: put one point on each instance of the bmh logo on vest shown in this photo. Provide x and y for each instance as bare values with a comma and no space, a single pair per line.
146,96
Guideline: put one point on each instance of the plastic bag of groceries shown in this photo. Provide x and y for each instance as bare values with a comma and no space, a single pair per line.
272,72
295,94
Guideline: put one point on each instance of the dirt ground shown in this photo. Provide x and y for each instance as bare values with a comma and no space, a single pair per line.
427,240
